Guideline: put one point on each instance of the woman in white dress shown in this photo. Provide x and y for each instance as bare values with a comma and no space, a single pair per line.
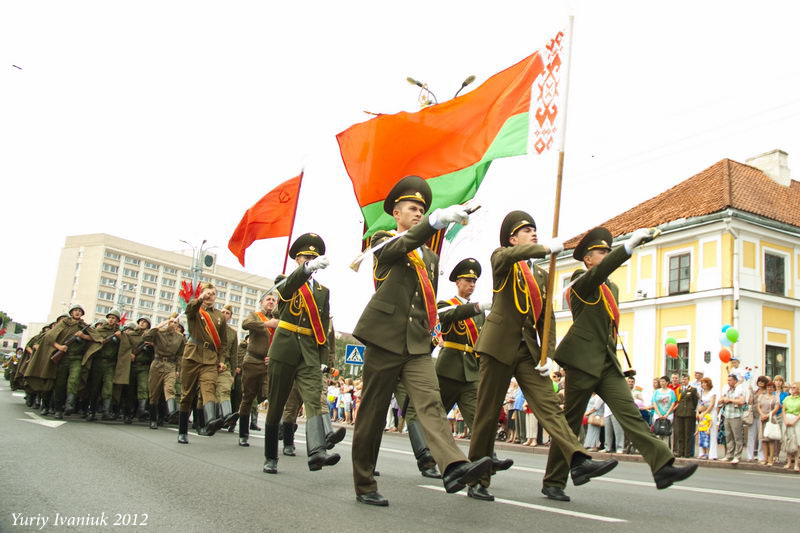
707,404
596,407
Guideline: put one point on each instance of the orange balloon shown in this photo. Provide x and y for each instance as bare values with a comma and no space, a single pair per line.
335,372
725,355
672,350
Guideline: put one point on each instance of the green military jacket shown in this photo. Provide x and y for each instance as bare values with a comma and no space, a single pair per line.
240,353
113,348
258,344
200,347
288,346
229,350
40,365
687,401
458,365
395,318
506,327
591,339
168,345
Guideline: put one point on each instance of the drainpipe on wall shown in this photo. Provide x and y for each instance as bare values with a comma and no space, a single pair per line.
735,236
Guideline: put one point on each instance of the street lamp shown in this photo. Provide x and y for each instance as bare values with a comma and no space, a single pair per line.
424,101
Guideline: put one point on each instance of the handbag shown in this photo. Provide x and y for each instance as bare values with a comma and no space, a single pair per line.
747,416
662,427
772,431
597,420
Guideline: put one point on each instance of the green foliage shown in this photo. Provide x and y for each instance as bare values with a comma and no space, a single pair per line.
5,320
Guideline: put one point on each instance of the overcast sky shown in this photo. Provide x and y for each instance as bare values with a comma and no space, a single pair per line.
160,121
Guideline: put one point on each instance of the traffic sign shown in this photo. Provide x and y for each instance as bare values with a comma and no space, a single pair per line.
354,354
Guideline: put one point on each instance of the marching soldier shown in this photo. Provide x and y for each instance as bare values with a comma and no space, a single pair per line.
168,343
397,327
236,389
68,379
40,373
509,346
225,378
133,365
298,348
588,353
101,359
255,363
202,360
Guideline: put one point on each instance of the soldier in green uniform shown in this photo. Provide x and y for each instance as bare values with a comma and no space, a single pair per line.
40,373
397,327
588,354
102,355
168,343
225,378
509,346
297,352
255,363
202,360
132,368
68,378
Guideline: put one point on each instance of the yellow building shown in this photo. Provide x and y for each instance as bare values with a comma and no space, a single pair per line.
729,254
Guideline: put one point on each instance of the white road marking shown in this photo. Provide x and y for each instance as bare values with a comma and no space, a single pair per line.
680,487
36,419
787,474
18,394
544,508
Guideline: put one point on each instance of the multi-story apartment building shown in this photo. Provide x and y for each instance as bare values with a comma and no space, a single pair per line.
102,272
729,254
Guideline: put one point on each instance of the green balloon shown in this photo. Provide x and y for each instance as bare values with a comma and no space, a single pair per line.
732,334
670,340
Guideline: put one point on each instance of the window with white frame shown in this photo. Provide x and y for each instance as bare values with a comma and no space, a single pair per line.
775,361
167,295
127,286
167,282
102,309
170,270
679,272
105,295
146,304
111,255
130,273
151,266
150,277
775,273
564,283
250,301
132,261
221,283
235,287
236,298
221,295
108,282
111,269
250,290
165,307
149,291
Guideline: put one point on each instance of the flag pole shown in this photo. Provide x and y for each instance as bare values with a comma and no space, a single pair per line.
551,277
294,215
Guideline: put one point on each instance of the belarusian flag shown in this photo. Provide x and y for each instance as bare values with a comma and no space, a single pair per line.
453,143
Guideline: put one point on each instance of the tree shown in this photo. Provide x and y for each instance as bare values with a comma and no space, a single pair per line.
5,322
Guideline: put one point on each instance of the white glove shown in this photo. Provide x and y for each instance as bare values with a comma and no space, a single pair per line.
636,239
485,306
441,218
324,368
555,245
318,263
544,370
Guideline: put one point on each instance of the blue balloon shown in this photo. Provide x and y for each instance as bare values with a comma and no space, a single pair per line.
725,328
723,340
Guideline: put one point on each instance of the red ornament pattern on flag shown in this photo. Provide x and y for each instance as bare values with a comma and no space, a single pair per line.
547,98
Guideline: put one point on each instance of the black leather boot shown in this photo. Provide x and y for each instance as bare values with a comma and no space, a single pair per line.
197,419
270,449
107,415
228,416
45,404
425,461
172,411
153,416
91,411
332,438
244,430
254,420
316,445
213,420
30,399
37,401
183,427
142,412
69,408
288,439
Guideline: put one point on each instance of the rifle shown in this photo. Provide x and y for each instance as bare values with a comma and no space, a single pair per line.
58,354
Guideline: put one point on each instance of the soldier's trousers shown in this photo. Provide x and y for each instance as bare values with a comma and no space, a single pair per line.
254,372
381,372
613,389
543,401
236,392
68,378
101,378
464,394
197,379
282,377
224,385
684,435
292,409
140,372
161,378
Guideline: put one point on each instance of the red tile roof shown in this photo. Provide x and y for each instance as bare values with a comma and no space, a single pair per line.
722,185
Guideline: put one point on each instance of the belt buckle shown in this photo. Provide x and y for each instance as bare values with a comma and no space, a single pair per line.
205,345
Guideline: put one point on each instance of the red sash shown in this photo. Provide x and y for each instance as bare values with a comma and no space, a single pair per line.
427,290
313,313
469,323
208,325
534,294
610,304
270,331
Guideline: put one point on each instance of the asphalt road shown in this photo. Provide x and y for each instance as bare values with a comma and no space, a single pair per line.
101,469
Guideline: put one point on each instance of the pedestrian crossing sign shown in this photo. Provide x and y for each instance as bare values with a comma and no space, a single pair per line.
354,354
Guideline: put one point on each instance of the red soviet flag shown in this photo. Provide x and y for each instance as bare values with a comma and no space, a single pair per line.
272,216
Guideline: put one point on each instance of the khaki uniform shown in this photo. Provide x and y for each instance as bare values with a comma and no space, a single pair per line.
169,347
201,356
40,373
225,378
101,360
254,370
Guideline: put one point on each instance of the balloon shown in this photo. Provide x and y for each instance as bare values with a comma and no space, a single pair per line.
670,340
725,355
725,328
732,334
672,350
335,372
723,340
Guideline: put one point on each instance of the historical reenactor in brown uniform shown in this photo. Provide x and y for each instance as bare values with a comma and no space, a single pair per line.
168,344
101,359
297,352
509,346
225,378
130,375
588,354
397,327
202,360
261,327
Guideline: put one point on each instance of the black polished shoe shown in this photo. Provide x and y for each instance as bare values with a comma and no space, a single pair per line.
183,438
459,476
586,469
555,493
375,473
372,498
669,474
153,424
254,426
243,441
335,437
498,465
289,450
270,466
59,415
431,472
479,492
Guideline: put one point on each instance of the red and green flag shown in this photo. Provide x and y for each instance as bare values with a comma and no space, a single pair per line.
452,144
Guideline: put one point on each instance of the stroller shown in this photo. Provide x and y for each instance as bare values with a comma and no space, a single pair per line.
502,434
